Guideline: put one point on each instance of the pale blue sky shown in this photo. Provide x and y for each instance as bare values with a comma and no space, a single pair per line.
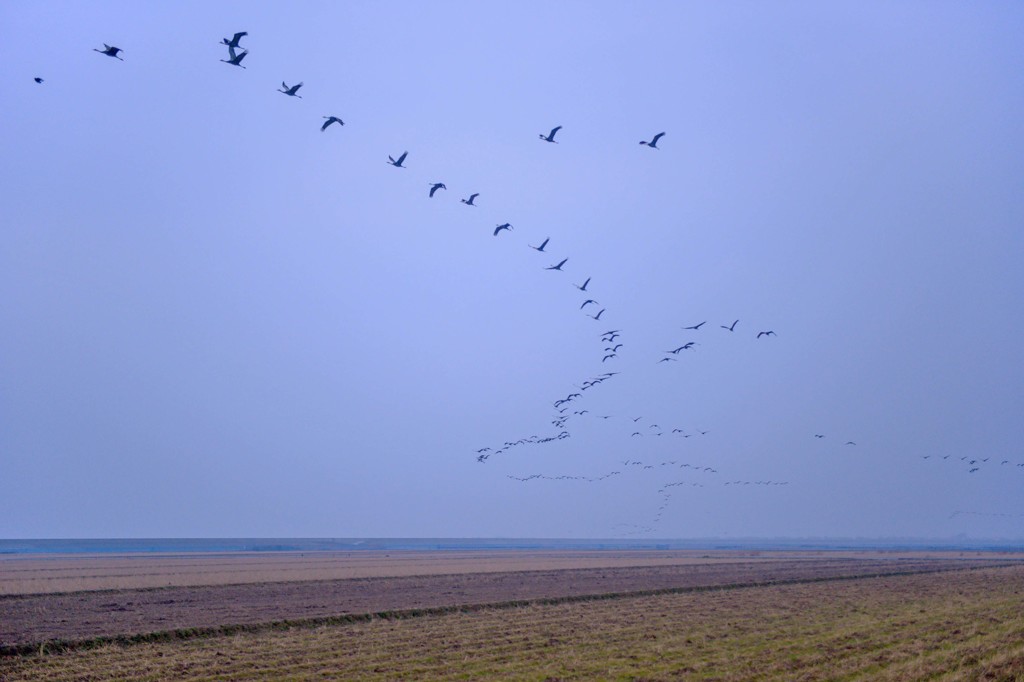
221,321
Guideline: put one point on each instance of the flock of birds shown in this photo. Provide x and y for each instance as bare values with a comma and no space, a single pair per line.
571,407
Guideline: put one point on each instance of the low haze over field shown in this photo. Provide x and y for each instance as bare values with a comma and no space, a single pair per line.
222,318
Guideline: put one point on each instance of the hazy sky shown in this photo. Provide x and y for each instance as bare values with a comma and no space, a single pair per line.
220,321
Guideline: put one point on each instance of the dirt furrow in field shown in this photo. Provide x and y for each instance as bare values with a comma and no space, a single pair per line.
82,615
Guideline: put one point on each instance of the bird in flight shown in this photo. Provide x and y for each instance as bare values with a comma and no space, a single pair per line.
667,360
542,245
503,226
37,79
588,302
399,162
290,91
469,201
232,43
731,327
610,355
582,287
767,333
557,267
330,120
850,442
685,346
109,51
236,59
653,144
550,137
696,327
598,316
818,435
436,186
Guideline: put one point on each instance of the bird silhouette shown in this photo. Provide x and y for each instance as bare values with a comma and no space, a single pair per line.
557,267
469,202
290,91
236,59
696,327
598,316
436,186
767,333
550,137
233,41
588,302
503,226
109,51
731,327
398,163
542,245
667,360
653,144
329,121
37,79
610,355
850,442
582,287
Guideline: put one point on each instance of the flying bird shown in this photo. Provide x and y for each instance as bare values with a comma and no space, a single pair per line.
731,327
232,43
469,202
697,326
37,79
557,267
436,186
400,161
290,91
503,226
588,302
542,245
610,355
236,59
850,442
667,360
330,120
767,333
598,316
818,435
109,51
550,137
653,144
582,287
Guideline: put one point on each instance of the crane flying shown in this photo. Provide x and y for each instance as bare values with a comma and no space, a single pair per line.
330,120
109,51
290,91
550,137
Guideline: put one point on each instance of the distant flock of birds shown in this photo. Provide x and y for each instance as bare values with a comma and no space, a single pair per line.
611,348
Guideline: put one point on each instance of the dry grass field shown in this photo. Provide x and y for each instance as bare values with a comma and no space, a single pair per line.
38,574
959,625
514,615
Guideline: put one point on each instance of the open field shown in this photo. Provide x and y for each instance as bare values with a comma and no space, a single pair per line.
37,574
80,615
952,625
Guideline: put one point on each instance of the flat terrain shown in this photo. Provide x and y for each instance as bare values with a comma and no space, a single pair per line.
36,574
86,614
952,625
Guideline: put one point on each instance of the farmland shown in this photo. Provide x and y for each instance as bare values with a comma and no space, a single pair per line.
796,617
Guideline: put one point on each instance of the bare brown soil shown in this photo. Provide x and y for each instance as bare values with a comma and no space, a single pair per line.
952,626
38,574
82,615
